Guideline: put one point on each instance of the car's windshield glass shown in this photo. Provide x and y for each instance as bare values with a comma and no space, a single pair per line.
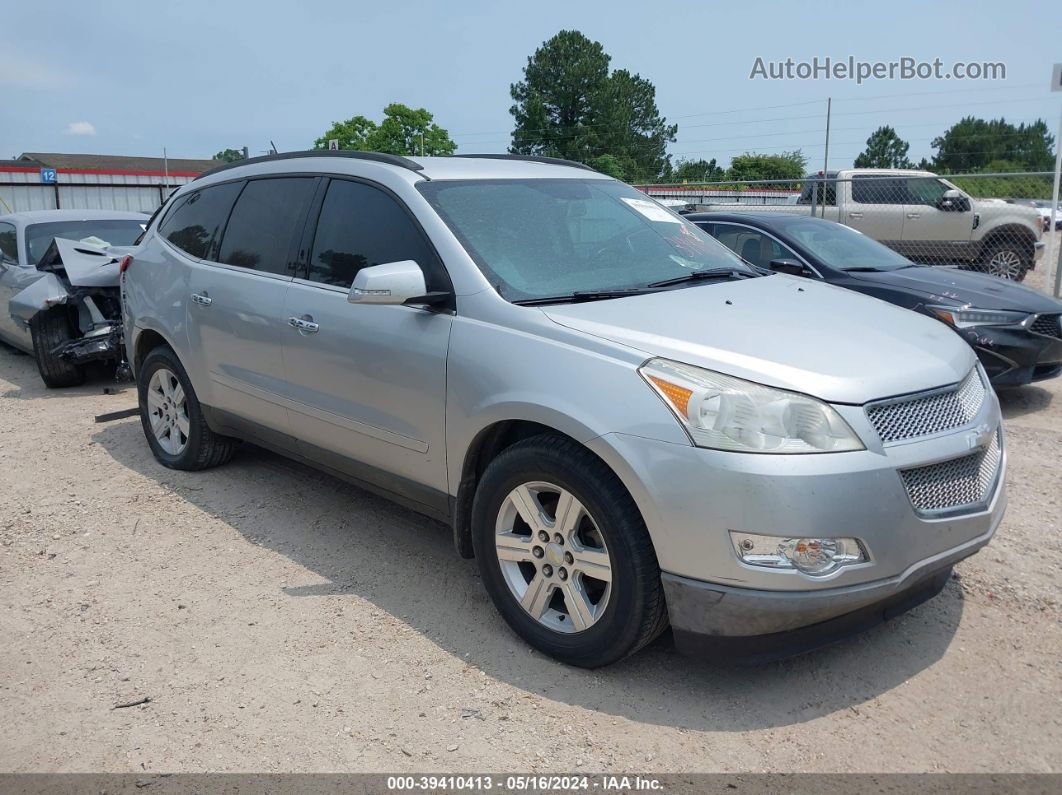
843,248
545,237
113,232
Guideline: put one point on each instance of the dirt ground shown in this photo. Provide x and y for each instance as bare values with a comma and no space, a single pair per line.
280,620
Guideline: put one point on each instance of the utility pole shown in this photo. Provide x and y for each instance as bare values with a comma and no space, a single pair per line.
826,155
1055,249
422,144
165,168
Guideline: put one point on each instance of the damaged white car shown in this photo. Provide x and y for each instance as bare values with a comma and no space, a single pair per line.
59,295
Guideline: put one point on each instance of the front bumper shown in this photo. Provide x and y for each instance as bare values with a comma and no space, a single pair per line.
692,498
750,626
1013,356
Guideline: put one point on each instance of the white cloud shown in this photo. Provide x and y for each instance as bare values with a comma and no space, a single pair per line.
80,128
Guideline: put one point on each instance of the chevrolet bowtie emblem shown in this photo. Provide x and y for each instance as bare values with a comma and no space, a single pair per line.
981,436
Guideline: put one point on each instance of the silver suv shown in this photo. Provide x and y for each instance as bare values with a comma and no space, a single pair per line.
623,422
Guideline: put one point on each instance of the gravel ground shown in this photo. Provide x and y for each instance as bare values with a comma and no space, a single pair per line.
280,620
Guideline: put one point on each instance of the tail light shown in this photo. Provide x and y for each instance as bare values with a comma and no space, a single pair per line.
124,263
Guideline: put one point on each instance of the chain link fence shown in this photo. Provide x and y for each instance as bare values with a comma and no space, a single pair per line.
996,223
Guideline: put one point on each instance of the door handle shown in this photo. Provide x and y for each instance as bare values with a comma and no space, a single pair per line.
204,300
855,215
304,325
914,215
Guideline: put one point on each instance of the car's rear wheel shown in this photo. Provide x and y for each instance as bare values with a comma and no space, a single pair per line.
564,553
50,329
172,418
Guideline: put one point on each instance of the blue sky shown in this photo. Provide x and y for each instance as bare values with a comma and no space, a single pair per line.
195,77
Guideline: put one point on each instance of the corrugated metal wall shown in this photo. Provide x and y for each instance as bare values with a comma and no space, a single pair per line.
22,190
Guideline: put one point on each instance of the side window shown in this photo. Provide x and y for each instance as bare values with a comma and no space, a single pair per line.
8,242
925,190
878,190
194,224
819,192
264,222
361,226
751,245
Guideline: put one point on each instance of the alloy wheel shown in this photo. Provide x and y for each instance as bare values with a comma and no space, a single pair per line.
168,411
1006,264
553,557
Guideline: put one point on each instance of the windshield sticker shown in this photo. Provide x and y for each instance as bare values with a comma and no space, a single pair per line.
651,210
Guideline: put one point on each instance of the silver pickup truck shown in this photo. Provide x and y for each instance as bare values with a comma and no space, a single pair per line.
924,217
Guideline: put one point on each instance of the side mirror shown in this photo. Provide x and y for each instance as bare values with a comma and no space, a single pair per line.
791,266
954,201
392,283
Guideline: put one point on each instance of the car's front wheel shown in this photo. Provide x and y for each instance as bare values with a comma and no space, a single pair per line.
1007,261
564,553
50,329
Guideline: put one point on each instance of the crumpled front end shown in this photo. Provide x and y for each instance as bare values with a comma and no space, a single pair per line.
82,279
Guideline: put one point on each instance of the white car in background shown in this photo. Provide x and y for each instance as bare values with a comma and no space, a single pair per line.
59,297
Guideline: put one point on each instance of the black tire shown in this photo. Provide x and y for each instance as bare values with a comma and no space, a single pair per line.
1017,253
204,448
50,329
635,613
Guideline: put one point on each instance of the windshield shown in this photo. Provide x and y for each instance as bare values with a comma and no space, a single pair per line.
535,238
113,232
842,247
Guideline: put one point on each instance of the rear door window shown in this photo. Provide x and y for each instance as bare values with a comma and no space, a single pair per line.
879,190
195,224
264,222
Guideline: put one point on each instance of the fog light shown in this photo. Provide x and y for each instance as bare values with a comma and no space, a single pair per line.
814,556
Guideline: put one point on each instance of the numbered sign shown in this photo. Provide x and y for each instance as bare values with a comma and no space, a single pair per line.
49,176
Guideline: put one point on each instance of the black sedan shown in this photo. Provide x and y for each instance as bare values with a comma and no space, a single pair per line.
1016,331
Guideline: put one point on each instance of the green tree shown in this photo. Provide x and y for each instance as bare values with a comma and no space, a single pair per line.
607,164
403,131
229,155
787,165
569,105
885,149
697,171
971,144
351,134
409,131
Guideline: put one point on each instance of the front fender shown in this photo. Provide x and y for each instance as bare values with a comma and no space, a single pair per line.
44,292
498,374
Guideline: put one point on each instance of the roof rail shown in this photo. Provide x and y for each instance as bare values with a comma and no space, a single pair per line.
556,161
380,157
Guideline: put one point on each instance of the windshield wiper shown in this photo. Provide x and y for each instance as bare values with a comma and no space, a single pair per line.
582,296
714,273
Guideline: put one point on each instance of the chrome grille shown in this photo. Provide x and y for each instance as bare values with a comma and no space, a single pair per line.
958,483
928,412
1048,325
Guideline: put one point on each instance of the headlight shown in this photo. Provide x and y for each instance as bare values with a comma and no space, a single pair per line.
814,556
968,317
726,413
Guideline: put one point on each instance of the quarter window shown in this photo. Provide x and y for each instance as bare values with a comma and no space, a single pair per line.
195,224
361,226
264,222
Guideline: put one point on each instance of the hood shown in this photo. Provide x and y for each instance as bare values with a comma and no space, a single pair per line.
86,264
951,286
786,332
